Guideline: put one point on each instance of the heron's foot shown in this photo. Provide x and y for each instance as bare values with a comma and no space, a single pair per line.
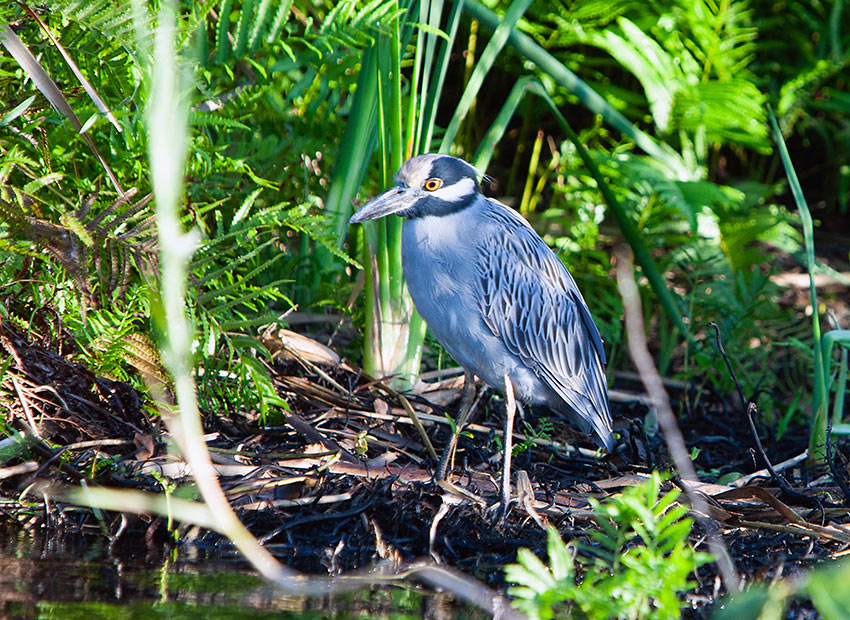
467,406
447,460
500,511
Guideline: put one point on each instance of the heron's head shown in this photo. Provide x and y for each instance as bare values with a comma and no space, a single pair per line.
428,184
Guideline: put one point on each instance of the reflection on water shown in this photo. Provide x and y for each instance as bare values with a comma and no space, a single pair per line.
76,577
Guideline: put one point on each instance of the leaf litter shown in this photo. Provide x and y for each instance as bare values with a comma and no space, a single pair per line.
344,479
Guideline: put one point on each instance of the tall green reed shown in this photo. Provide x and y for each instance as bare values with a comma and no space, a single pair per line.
398,116
823,344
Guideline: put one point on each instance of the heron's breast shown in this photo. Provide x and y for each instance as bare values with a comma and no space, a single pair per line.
441,272
438,256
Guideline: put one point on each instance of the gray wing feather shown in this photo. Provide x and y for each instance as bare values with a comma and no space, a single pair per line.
529,300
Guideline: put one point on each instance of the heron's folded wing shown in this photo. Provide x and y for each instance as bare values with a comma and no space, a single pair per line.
529,300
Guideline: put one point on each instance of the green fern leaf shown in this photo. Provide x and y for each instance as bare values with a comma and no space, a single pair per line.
243,27
222,43
263,13
280,19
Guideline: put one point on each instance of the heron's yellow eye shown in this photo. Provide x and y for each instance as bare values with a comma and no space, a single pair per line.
432,185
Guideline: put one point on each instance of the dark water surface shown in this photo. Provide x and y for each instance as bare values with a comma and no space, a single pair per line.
77,577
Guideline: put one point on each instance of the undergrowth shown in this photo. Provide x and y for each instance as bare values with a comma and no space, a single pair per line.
636,565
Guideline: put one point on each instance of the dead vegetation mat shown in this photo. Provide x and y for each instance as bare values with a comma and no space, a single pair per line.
344,478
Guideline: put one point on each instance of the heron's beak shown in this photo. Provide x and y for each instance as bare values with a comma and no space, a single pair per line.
391,201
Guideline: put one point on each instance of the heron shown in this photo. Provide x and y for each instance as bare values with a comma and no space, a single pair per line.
496,297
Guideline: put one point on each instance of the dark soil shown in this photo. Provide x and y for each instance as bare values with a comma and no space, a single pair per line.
377,499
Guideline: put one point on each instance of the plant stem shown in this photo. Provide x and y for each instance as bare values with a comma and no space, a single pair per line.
820,399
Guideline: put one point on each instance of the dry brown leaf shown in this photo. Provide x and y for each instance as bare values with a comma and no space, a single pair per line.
145,445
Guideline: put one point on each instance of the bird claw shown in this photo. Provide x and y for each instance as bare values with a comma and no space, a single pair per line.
500,511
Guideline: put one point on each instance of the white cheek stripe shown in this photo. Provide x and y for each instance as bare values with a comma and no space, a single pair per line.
456,191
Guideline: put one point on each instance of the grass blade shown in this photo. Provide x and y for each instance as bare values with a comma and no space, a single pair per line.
820,399
433,96
356,146
51,91
494,46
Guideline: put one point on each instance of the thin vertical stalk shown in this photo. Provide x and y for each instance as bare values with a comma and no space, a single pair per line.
524,205
840,390
412,129
387,144
397,157
167,124
434,17
820,399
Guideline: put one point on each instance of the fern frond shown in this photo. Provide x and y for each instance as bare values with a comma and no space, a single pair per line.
247,297
11,159
562,24
252,323
280,18
243,26
234,264
33,186
729,111
225,290
114,20
205,119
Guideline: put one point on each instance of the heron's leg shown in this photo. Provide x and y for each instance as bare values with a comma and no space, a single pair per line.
510,411
466,404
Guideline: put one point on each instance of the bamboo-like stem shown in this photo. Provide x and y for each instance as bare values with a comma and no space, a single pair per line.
430,112
412,127
434,17
398,294
524,205
394,332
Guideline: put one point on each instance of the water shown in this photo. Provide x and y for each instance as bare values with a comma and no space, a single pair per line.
76,577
